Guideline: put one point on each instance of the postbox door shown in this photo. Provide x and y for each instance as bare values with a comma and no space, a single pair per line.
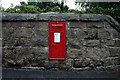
57,40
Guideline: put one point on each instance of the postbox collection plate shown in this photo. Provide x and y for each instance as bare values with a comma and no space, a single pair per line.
57,40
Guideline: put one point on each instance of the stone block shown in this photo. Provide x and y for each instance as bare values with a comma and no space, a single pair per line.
20,63
104,33
74,43
51,64
73,53
29,24
9,53
87,62
18,42
40,53
97,53
9,42
16,24
6,24
66,65
75,33
114,68
67,25
77,64
95,24
115,34
22,42
37,63
78,24
107,25
7,32
114,51
80,34
41,25
76,53
105,42
91,43
23,32
90,33
23,53
69,63
117,43
111,61
40,38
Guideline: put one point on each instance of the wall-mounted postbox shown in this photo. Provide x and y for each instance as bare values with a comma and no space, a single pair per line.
57,40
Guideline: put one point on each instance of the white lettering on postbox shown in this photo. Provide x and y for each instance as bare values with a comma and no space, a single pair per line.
57,37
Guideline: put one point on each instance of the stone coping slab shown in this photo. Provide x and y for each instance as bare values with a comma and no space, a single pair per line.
52,16
60,17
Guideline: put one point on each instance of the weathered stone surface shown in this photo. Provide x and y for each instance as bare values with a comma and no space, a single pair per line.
22,42
90,34
76,53
51,64
112,68
29,24
6,24
117,43
115,34
8,52
15,25
77,24
76,33
74,43
7,32
23,32
95,25
54,16
40,53
91,42
104,33
73,53
40,38
107,25
66,65
111,61
23,53
87,62
97,53
37,63
17,42
41,26
105,42
92,17
114,51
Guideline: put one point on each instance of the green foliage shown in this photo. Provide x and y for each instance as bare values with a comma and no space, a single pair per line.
55,9
74,11
37,7
24,9
104,8
108,8
49,6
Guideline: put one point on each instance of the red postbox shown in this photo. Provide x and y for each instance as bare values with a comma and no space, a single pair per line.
57,40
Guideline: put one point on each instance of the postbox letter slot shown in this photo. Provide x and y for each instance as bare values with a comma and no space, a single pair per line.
57,26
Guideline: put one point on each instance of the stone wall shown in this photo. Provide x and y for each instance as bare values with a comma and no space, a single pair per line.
92,42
